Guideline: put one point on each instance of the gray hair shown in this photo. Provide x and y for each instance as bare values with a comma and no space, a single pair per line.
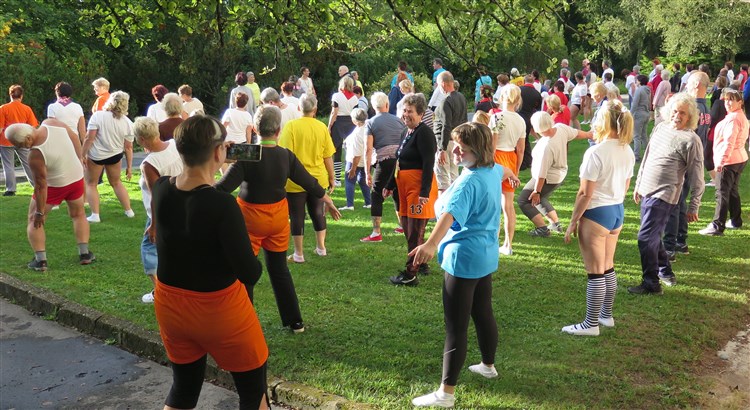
172,104
666,75
101,82
118,103
418,102
359,115
269,95
17,133
445,77
146,128
308,103
685,99
379,100
267,120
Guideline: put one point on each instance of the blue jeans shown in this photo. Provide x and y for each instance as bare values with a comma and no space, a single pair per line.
676,232
360,179
654,259
148,253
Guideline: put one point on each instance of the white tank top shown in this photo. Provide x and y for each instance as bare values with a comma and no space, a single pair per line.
166,163
63,165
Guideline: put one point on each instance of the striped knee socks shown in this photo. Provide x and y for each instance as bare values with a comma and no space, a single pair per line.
595,291
610,279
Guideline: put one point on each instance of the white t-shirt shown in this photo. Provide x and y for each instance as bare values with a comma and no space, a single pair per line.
290,112
612,87
580,91
438,96
496,96
69,114
166,163
237,122
306,84
345,106
111,134
684,80
510,127
355,145
611,71
291,100
400,106
629,82
60,158
730,76
157,112
610,164
550,155
192,105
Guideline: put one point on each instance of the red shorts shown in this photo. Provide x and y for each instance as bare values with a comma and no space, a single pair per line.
508,159
222,323
70,192
267,225
409,184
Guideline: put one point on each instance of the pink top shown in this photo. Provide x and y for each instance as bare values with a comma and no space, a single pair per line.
730,136
662,91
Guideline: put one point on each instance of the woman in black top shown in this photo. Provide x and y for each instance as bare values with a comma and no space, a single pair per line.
206,272
262,200
415,179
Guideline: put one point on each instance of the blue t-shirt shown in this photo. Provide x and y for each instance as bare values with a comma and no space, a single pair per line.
409,76
436,74
469,249
483,80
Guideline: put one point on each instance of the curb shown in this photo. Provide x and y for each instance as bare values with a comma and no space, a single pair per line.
148,344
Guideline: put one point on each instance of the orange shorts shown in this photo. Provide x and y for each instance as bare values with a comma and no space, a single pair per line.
70,192
222,323
267,225
409,183
507,159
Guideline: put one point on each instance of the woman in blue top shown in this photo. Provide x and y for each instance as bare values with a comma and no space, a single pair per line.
465,239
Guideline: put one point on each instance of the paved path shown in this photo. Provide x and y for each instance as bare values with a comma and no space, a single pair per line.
45,365
21,175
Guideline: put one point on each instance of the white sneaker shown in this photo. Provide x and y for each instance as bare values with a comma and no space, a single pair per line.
346,208
555,227
434,399
337,183
148,297
711,183
607,322
484,370
129,213
504,250
94,219
578,330
367,206
296,258
321,252
55,208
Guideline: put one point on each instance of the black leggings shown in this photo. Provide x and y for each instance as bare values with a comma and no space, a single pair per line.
187,381
315,207
283,287
383,172
414,231
464,298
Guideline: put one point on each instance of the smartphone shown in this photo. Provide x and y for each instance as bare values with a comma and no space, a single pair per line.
244,152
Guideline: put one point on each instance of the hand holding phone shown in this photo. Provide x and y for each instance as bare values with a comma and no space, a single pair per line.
244,152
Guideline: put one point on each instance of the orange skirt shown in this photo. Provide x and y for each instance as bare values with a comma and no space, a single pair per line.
507,159
221,323
409,183
267,225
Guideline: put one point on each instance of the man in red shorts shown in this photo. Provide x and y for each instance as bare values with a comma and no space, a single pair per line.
55,161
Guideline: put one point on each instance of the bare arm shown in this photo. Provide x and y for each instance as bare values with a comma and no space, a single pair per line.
129,159
331,175
81,130
39,173
332,118
368,159
90,137
520,150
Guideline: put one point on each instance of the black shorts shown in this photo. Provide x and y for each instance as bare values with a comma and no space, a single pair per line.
115,159
578,105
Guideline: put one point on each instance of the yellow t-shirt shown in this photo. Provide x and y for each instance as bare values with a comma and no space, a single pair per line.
517,81
310,141
256,92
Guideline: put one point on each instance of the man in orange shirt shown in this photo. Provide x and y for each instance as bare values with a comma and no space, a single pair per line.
101,89
12,113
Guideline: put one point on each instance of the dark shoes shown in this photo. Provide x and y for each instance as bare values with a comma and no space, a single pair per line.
424,269
298,327
682,248
541,232
405,278
643,289
9,193
87,258
672,256
39,266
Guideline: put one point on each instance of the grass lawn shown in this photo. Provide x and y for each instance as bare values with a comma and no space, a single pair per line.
380,344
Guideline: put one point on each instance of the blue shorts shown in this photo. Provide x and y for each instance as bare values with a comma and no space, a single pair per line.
608,216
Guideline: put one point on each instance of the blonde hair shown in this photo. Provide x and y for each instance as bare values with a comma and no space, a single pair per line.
146,129
553,101
478,138
101,82
346,83
406,84
598,88
511,95
481,117
117,103
614,118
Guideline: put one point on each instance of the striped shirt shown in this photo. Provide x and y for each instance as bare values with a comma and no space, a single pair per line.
669,156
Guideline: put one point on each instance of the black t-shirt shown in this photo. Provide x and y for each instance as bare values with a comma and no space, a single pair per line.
264,181
418,152
201,239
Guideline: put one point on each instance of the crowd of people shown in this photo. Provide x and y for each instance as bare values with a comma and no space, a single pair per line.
418,149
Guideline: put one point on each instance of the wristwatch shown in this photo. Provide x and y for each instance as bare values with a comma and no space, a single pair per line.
37,213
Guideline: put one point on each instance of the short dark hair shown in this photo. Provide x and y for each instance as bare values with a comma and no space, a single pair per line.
437,60
642,79
241,99
608,76
402,66
535,74
63,89
357,90
240,78
560,85
185,90
159,91
196,138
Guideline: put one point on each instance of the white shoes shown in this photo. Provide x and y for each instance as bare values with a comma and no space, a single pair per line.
367,206
484,370
504,250
296,258
321,252
129,213
607,322
94,219
435,399
346,208
148,297
578,330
